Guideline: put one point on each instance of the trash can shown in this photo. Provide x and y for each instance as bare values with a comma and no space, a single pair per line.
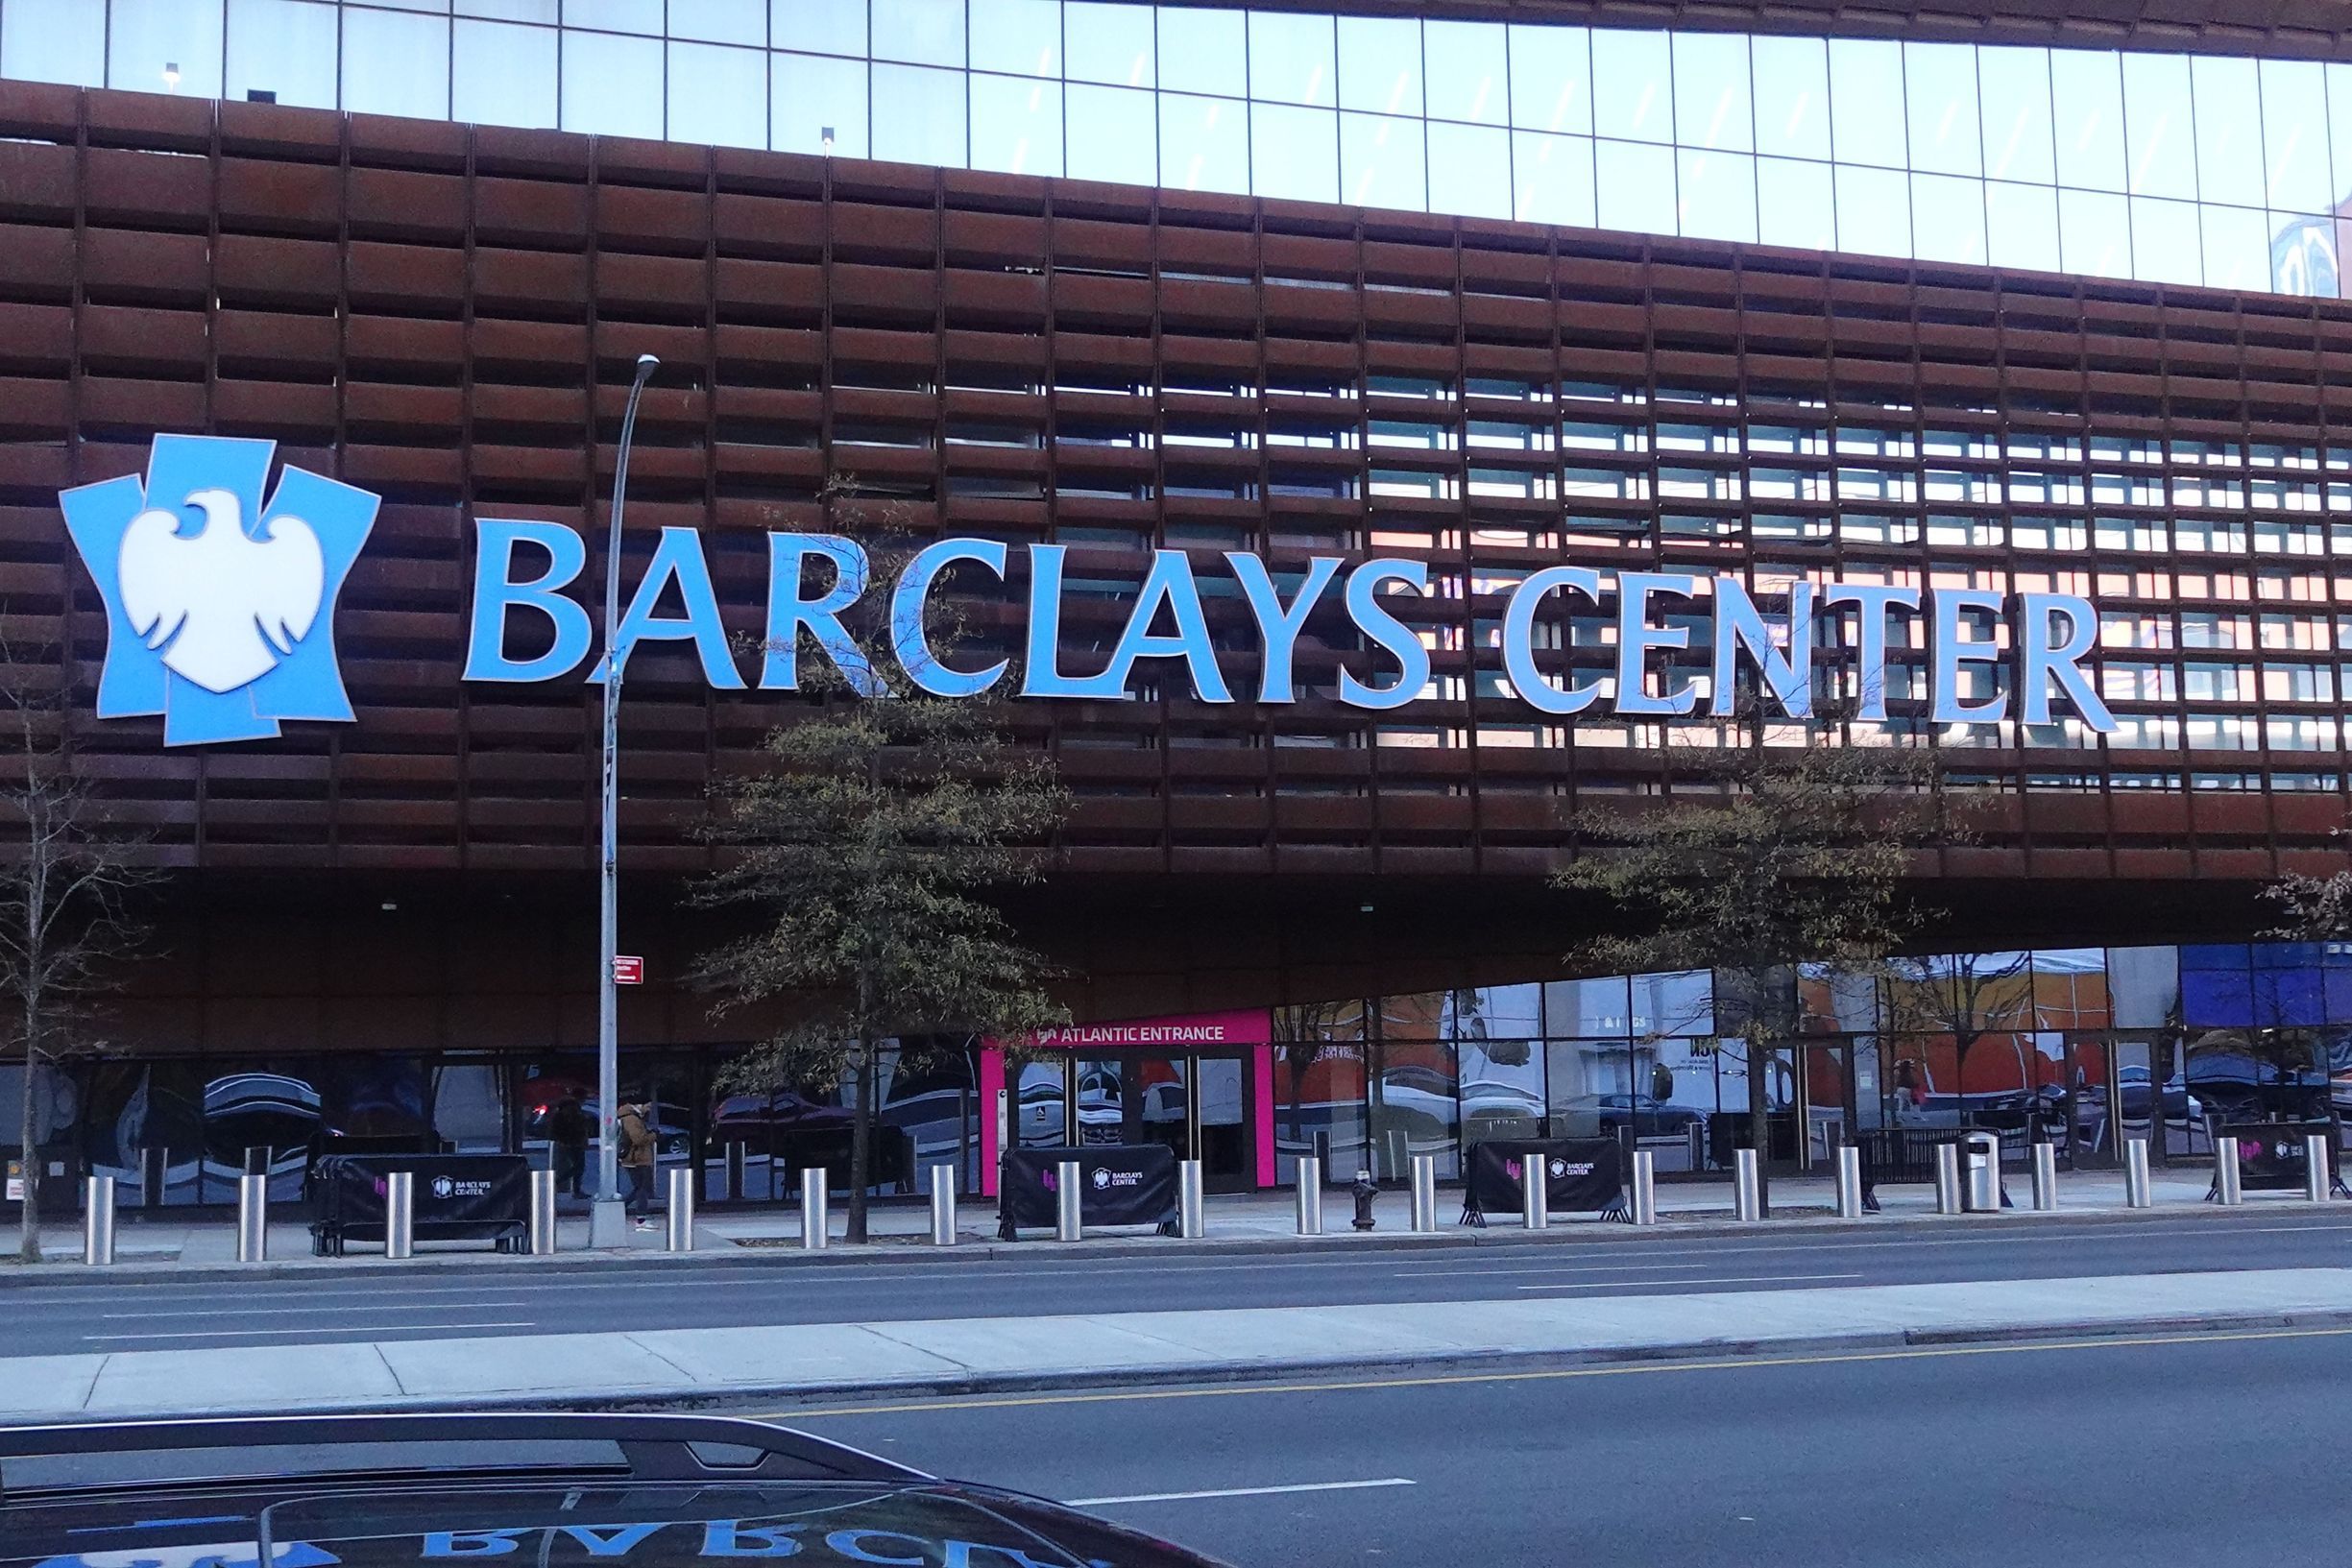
1980,1172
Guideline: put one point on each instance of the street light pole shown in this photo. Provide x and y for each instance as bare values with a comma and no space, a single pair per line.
607,1222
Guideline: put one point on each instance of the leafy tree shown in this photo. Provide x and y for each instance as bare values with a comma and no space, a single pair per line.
68,871
2312,909
868,848
1784,854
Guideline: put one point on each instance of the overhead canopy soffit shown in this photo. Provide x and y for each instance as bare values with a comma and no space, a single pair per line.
2301,28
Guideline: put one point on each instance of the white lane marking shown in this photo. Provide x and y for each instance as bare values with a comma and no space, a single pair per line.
1240,1491
355,1330
1554,1269
289,1308
1678,1284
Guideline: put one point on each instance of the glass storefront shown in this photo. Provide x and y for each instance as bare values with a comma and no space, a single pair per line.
177,1133
2090,1046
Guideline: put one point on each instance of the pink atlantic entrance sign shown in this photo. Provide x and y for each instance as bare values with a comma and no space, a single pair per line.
1191,1032
1138,1056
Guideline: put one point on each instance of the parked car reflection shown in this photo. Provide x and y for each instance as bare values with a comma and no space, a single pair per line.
1603,1116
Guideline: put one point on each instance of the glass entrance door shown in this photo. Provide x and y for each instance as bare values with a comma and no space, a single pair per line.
1197,1107
1221,1137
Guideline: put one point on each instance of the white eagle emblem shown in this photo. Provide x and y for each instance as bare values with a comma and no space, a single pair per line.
221,606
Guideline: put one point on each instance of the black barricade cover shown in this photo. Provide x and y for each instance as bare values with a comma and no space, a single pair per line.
1581,1175
1900,1156
2270,1154
1119,1184
458,1196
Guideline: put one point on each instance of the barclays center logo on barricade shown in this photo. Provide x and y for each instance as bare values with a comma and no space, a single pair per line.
220,601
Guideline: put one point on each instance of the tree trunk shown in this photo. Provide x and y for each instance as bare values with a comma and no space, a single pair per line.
29,1246
861,1135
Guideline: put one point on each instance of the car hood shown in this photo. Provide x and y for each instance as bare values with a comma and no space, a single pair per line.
820,1524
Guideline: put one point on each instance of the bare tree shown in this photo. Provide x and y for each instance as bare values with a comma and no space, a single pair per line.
68,872
1965,995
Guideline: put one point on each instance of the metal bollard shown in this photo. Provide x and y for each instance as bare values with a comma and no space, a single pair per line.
678,1218
253,1218
942,1205
1645,1187
2316,1166
1849,1182
816,1218
1310,1195
543,1214
2044,1178
2136,1194
1069,1219
2228,1184
1424,1192
98,1220
1747,1191
1535,1193
401,1214
1192,1213
1947,1179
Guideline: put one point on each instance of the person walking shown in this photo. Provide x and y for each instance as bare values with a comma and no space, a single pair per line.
637,1151
568,1131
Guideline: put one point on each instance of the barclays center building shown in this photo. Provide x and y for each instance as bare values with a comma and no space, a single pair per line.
1376,430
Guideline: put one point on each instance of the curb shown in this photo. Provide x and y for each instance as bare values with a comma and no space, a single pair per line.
911,1252
1497,1363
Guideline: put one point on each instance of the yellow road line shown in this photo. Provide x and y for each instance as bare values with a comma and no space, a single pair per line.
1634,1369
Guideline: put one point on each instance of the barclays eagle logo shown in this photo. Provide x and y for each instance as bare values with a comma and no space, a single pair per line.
220,610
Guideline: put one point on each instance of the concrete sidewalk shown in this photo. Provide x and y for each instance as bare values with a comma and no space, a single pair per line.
952,1356
181,1248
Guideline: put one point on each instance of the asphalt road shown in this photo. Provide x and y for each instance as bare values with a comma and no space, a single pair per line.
161,1312
2212,1450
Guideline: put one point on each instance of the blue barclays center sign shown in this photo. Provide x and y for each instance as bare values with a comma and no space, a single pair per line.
220,610
1167,622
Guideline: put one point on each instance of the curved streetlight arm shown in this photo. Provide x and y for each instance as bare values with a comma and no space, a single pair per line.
605,1220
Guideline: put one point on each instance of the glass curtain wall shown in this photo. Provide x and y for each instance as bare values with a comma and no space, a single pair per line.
2166,168
2091,1045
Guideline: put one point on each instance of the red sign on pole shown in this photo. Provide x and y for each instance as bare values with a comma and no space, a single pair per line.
628,969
